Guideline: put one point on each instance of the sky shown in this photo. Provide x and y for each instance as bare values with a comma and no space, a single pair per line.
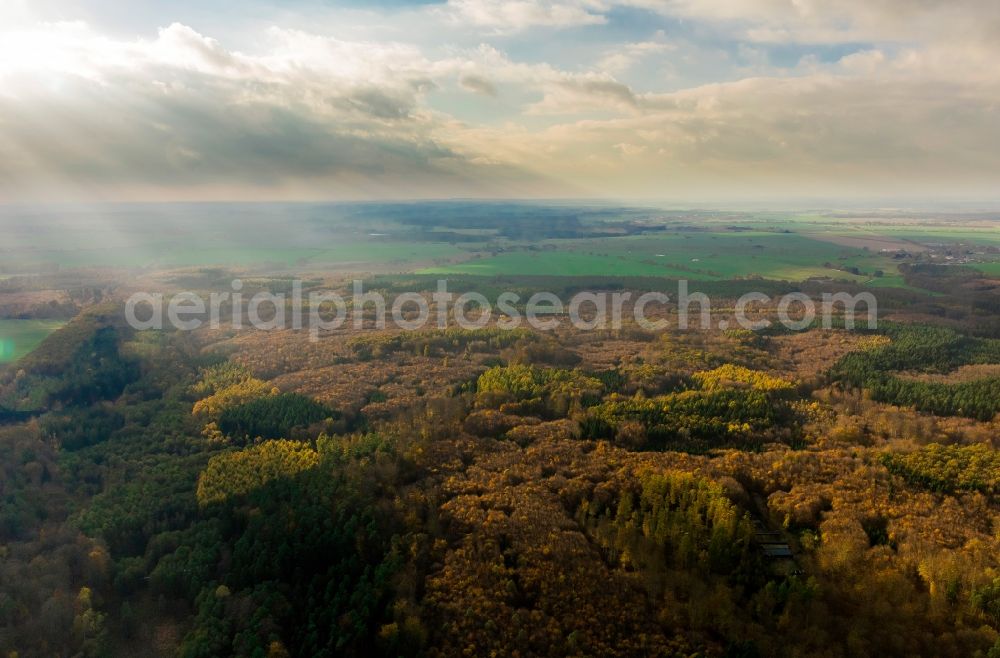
686,100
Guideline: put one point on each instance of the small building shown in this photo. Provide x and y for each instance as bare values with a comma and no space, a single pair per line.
776,551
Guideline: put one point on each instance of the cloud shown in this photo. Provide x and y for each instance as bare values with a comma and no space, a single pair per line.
478,84
179,114
562,92
512,15
181,45
624,57
823,21
584,93
14,12
763,21
182,112
630,149
870,125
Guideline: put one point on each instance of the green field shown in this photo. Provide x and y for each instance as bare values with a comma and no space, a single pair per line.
19,337
697,255
942,235
347,254
992,269
490,239
920,231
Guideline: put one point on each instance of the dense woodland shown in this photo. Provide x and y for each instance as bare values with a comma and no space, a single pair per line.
489,492
926,349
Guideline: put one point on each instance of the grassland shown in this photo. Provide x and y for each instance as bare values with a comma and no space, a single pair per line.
698,255
491,239
360,253
993,269
348,254
19,337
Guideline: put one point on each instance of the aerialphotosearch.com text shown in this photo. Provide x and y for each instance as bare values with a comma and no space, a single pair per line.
325,311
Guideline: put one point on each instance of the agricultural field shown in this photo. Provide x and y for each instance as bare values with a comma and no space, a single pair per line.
993,269
266,237
778,247
503,239
698,255
19,337
355,254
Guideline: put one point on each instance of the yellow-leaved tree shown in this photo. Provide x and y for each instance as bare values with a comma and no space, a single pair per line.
239,473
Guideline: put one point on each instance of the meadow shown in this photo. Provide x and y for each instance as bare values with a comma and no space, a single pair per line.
992,268
355,254
698,255
20,337
499,239
170,236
